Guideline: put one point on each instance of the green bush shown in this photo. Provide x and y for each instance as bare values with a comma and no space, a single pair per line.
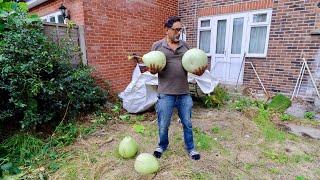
279,103
217,99
309,115
37,81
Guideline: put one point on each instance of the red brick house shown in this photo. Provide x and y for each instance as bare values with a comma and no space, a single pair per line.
272,33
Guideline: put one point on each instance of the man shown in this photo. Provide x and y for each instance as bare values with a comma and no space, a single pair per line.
173,88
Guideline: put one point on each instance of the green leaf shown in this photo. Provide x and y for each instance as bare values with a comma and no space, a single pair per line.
7,166
125,117
138,128
33,18
23,6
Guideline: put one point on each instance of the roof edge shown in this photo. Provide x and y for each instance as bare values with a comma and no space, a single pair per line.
34,3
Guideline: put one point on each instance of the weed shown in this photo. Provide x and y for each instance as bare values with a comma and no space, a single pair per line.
140,118
241,104
116,108
64,135
215,130
217,99
279,103
201,176
285,117
309,115
248,167
204,142
274,170
269,130
125,117
298,158
300,178
22,148
276,157
138,128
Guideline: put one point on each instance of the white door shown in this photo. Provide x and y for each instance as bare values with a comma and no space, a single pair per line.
228,48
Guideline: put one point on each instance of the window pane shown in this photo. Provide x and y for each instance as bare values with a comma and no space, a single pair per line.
205,23
204,42
257,39
221,36
259,18
60,19
52,19
237,35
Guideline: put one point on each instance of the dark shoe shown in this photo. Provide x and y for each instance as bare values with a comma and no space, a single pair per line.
158,152
194,155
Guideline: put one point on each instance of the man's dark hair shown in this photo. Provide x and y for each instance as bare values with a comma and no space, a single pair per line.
171,20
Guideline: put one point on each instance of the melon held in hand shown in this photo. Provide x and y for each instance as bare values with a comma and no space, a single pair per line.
194,59
156,58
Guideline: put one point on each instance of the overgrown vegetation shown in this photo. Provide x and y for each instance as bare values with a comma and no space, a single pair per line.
218,98
279,103
309,115
39,88
26,151
37,82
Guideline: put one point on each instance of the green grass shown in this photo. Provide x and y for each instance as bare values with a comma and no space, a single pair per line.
201,176
278,157
270,132
204,141
298,158
241,103
279,103
274,170
22,148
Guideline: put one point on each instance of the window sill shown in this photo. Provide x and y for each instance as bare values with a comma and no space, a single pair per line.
256,56
315,32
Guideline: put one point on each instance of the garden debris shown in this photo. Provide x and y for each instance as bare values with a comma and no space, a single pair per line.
302,131
141,93
298,109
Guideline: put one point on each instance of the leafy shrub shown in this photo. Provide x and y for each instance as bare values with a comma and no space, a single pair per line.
279,103
37,81
309,115
217,99
242,103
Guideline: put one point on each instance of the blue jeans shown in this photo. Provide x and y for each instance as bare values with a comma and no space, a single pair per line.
164,107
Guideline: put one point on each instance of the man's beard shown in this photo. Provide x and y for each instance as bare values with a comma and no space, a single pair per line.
176,39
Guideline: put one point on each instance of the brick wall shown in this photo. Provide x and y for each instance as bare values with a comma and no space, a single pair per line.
292,22
119,28
115,29
74,6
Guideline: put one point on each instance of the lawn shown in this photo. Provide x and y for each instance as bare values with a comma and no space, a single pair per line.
236,141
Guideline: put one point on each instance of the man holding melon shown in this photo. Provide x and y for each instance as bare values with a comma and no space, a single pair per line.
172,59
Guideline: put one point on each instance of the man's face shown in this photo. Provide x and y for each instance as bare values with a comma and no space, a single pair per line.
173,33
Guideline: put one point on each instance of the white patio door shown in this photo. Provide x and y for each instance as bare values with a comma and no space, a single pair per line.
228,48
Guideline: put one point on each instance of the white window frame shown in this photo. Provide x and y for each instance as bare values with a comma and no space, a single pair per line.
251,25
55,15
248,25
210,28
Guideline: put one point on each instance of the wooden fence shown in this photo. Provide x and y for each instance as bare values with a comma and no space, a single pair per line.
71,35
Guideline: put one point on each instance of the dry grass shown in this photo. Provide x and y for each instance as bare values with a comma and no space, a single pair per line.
237,150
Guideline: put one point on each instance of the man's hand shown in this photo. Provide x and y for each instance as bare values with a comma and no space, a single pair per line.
200,70
154,69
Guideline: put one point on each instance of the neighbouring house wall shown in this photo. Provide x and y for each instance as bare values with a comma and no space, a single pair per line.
118,28
74,6
292,23
115,29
